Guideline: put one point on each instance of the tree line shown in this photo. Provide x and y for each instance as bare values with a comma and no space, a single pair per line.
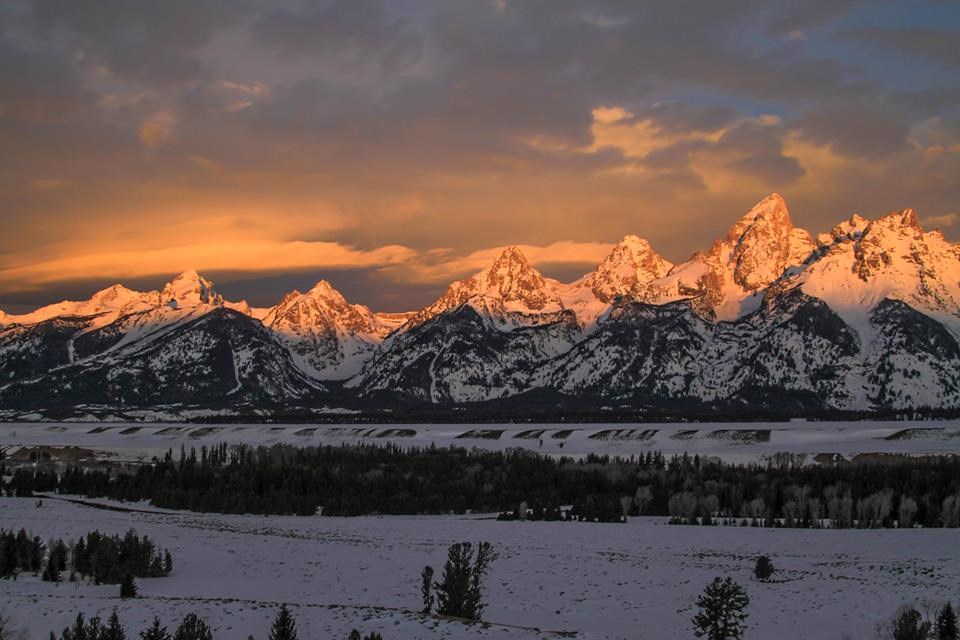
349,480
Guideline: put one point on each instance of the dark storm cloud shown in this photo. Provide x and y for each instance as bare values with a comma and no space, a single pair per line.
855,131
141,40
38,86
340,31
939,45
762,149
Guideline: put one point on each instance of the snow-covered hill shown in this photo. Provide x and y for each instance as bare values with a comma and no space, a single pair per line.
866,316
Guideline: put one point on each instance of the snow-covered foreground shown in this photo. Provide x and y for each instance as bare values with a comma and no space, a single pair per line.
731,441
637,580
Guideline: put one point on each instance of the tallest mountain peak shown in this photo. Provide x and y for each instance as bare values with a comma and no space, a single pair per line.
511,255
770,215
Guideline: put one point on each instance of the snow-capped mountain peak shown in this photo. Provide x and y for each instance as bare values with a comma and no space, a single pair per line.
727,280
328,336
512,279
190,289
627,270
763,243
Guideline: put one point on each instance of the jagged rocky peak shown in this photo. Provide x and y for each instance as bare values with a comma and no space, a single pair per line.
321,310
511,277
850,229
764,243
902,220
323,289
190,289
629,267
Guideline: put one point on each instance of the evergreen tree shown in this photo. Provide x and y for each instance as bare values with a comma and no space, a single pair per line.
945,627
459,592
50,571
128,587
155,632
114,630
763,569
193,627
910,625
78,631
426,588
284,626
721,614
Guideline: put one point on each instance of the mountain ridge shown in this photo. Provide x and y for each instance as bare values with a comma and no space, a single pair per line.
863,317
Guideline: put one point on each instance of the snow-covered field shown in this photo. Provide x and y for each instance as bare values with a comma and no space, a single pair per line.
731,441
592,581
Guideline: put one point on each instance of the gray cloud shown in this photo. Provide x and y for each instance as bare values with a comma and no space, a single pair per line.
855,131
939,45
342,31
139,40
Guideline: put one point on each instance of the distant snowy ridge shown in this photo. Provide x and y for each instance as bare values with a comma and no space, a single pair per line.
865,316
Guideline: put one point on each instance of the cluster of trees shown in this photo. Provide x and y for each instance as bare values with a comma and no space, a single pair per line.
459,592
107,559
192,627
20,552
911,624
104,559
371,479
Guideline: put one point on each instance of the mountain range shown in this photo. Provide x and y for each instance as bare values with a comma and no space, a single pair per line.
865,317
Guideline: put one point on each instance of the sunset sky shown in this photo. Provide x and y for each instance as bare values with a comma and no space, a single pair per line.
393,146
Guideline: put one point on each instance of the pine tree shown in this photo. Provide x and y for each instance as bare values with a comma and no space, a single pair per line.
114,630
193,627
155,632
128,587
50,572
763,569
284,626
426,588
945,627
721,614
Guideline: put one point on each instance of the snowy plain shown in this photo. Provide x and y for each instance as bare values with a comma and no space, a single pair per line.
552,580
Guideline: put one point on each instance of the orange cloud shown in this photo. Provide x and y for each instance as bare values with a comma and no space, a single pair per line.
210,256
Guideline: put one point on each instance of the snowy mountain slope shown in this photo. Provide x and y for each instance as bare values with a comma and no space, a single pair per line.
625,273
33,349
107,304
864,263
478,351
328,337
219,357
792,351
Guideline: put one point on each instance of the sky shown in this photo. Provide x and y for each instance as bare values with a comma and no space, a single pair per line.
391,146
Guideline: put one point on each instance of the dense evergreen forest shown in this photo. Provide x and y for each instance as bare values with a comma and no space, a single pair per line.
358,480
